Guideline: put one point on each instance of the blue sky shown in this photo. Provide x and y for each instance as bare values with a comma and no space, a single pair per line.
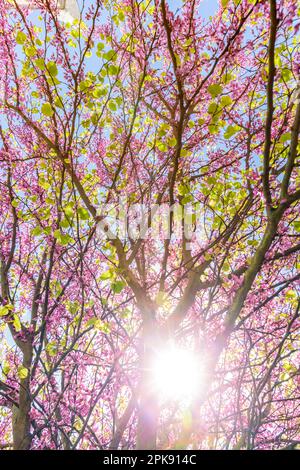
208,7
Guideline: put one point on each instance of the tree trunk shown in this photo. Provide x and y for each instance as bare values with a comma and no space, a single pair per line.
148,407
21,414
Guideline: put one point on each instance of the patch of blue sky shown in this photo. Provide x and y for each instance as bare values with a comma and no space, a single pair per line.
207,7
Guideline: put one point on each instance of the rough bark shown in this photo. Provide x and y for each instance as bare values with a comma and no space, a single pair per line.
21,419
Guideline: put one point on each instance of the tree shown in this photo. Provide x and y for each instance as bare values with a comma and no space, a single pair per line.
157,105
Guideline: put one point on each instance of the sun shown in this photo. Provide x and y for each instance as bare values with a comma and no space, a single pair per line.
178,373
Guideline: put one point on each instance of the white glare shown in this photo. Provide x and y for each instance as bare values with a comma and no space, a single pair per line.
69,9
177,374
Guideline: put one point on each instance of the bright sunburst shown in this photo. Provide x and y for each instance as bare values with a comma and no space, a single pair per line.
177,373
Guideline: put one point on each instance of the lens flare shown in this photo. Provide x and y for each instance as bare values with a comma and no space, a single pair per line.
177,374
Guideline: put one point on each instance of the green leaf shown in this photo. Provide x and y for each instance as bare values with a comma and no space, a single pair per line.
288,367
47,109
286,74
100,46
183,189
161,146
63,239
99,325
36,231
5,368
227,78
21,37
212,108
112,105
91,322
51,348
106,275
186,199
40,63
30,51
285,137
58,103
113,70
57,234
215,90
83,85
68,209
291,294
17,323
230,131
172,141
22,372
109,55
5,309
83,213
117,286
213,129
296,225
226,100
64,223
